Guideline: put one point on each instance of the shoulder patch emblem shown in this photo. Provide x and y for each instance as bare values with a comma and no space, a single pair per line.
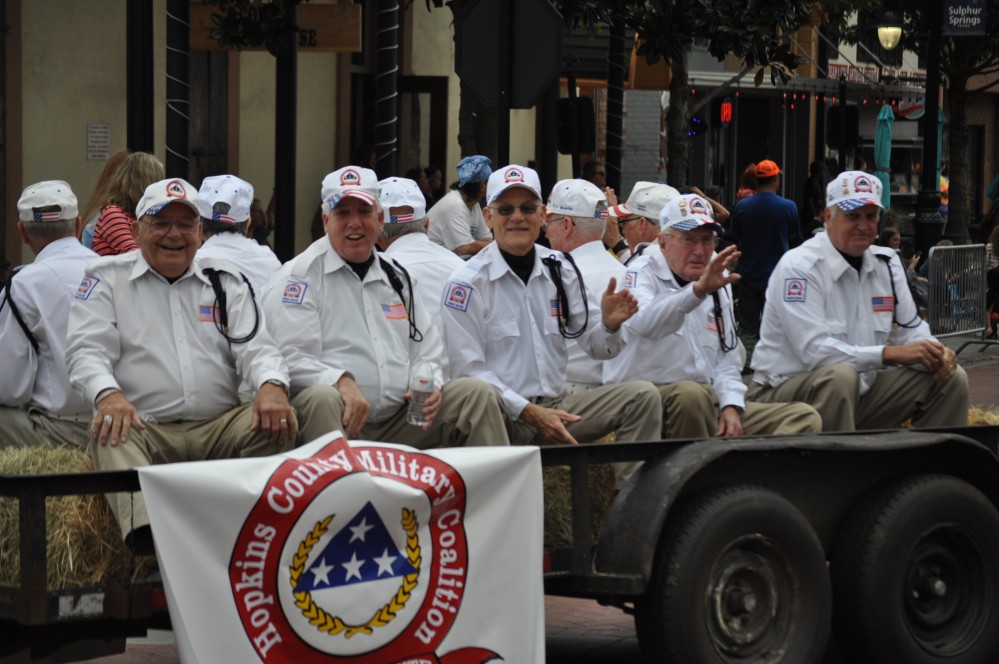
294,292
86,287
630,279
795,290
458,296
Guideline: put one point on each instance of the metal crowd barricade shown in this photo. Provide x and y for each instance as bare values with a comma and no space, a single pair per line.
957,290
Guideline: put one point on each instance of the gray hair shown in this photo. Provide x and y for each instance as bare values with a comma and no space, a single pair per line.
588,226
390,231
50,229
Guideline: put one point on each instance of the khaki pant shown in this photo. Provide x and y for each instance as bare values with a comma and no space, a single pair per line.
225,437
897,395
690,410
470,414
30,427
631,410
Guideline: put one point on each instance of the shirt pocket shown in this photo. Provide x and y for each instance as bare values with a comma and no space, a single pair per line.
503,330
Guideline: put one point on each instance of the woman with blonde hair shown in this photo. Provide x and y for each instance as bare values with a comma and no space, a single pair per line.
102,190
113,232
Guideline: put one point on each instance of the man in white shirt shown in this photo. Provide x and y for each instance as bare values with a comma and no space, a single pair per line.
224,204
638,218
37,403
683,337
159,341
577,215
404,237
353,328
840,329
456,221
508,312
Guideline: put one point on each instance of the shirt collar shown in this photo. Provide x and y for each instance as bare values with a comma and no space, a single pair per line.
498,266
141,267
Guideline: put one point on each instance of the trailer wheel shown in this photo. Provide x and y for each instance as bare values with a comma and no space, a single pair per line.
739,576
914,575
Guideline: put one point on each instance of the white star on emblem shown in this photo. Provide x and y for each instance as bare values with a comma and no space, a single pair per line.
359,530
385,563
353,567
322,572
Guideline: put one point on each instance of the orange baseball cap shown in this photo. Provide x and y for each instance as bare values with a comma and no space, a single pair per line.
767,169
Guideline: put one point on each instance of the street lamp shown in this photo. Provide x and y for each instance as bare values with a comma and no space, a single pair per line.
889,29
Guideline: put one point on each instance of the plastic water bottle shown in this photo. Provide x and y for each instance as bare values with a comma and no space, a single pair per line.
421,385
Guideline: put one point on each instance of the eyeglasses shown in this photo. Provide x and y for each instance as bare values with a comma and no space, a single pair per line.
621,223
689,242
526,209
186,225
554,218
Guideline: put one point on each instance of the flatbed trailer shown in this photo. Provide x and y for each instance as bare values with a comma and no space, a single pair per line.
880,546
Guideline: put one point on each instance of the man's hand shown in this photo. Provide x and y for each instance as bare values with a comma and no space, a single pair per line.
273,415
729,422
549,423
617,307
611,196
938,359
431,406
355,406
714,277
115,415
612,234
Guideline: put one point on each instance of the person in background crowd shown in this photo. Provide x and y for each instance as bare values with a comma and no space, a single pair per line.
683,337
890,237
435,180
517,299
261,223
813,196
456,222
224,206
404,237
747,183
763,226
639,217
575,225
159,340
719,212
100,195
417,175
354,328
37,402
114,232
841,332
595,172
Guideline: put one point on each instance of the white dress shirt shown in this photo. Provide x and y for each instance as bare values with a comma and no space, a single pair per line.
506,333
675,336
597,266
42,291
253,259
131,329
821,311
330,322
428,264
453,225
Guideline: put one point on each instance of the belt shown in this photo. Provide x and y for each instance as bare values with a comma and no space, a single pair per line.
537,400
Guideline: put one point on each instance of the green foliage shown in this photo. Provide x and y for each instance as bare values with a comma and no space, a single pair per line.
246,23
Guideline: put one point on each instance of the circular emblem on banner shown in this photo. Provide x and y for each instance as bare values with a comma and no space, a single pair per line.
355,554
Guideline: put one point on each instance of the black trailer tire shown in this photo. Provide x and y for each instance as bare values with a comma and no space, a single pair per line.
914,575
739,576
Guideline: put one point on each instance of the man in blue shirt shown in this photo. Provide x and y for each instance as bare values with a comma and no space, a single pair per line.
761,225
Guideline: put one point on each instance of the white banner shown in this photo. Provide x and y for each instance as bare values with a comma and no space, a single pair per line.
363,552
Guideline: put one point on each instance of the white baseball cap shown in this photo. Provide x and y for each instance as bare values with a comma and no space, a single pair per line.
577,198
647,199
512,176
402,192
853,189
160,194
687,212
350,181
225,198
49,200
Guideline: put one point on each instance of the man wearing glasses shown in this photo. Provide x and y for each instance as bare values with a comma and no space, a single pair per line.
638,218
840,329
508,313
158,343
683,337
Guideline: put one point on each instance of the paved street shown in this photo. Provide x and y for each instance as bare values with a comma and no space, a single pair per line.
581,631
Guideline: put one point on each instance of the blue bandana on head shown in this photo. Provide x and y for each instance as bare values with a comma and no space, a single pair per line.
474,169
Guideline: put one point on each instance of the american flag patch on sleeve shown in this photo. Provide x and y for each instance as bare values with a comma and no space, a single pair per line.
882,303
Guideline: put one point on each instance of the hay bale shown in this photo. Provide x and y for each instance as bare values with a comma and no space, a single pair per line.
84,543
558,502
981,416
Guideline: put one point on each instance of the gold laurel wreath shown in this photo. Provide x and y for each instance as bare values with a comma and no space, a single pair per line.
334,625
